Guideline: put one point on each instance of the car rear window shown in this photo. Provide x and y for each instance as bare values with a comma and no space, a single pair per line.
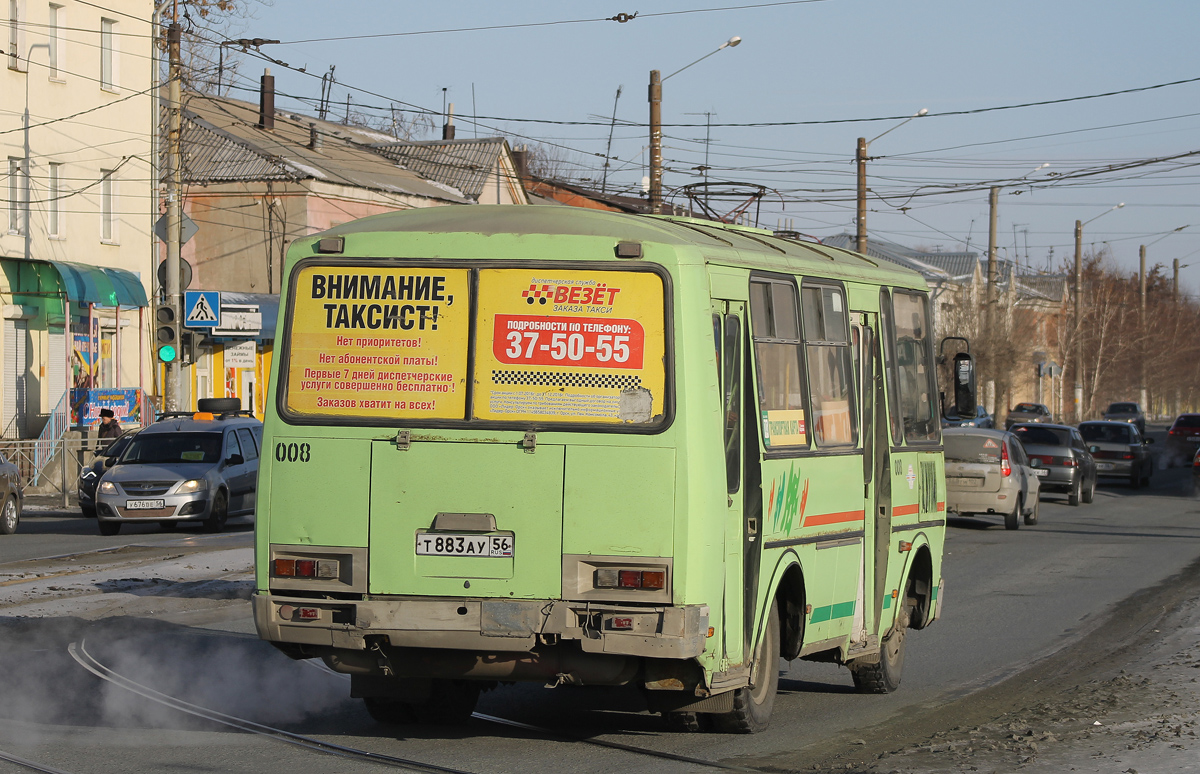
971,448
1106,433
1028,408
1122,408
1043,435
1188,420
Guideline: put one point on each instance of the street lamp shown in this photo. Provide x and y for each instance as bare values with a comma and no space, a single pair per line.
860,157
656,124
1078,308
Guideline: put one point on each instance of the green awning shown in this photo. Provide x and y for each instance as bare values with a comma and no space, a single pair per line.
98,285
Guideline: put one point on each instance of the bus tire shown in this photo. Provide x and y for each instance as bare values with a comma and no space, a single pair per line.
884,675
1013,520
450,702
389,712
752,704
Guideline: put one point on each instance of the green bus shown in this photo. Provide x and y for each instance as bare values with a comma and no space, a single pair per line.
580,447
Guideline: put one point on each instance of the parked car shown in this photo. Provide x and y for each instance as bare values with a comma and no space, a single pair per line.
90,476
987,471
1059,450
14,496
1196,474
1119,450
185,467
981,419
1027,412
1183,439
1127,412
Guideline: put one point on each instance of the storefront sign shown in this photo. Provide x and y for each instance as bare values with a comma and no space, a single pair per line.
240,355
86,404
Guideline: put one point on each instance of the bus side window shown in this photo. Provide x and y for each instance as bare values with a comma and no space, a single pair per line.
830,376
778,352
914,357
887,334
731,400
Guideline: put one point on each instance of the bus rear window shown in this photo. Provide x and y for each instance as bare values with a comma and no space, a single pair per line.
564,346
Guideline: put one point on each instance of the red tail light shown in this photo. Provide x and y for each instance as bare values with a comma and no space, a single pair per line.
1005,467
1045,459
1069,462
612,578
1127,456
1196,462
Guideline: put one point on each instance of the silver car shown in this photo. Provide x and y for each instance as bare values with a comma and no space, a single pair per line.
987,471
1028,412
199,467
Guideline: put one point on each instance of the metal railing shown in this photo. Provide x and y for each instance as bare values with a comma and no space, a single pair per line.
71,455
51,436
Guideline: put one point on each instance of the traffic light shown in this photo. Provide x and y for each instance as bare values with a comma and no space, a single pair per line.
167,334
187,347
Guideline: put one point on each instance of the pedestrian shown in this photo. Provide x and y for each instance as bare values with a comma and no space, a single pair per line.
109,426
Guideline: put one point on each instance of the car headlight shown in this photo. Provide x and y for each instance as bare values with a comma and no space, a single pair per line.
193,485
968,424
108,487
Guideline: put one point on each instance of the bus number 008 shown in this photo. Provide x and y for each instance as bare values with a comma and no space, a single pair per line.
292,452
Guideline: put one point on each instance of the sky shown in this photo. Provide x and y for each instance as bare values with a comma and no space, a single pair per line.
532,72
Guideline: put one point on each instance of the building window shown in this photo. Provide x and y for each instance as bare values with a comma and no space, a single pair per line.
54,37
18,203
108,216
108,59
16,36
54,203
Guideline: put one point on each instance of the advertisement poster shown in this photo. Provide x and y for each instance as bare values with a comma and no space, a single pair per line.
86,405
570,346
383,343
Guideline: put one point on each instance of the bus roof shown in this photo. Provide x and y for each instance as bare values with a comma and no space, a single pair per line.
718,242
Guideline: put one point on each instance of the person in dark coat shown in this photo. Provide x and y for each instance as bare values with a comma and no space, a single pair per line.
109,426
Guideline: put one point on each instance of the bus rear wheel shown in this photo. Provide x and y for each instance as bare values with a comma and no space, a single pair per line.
752,705
450,703
884,675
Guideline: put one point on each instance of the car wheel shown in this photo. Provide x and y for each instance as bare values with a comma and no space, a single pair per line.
1013,520
1032,518
88,511
1090,494
109,528
1135,480
1075,493
9,517
1148,472
752,705
218,513
884,676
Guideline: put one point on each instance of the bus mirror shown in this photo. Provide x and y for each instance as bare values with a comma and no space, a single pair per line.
964,385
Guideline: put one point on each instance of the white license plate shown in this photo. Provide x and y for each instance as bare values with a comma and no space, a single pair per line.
1194,437
1104,466
963,481
143,505
1040,472
431,544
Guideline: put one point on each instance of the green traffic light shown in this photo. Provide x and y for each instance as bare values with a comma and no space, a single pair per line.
167,353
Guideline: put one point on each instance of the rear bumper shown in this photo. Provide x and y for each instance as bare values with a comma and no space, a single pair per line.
483,625
1059,479
973,501
1118,469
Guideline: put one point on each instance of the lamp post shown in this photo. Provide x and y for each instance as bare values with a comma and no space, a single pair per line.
656,83
1078,309
860,158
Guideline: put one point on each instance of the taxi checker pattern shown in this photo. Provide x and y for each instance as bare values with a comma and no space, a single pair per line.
567,379
542,295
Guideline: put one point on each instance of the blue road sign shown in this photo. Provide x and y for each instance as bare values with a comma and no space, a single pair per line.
201,308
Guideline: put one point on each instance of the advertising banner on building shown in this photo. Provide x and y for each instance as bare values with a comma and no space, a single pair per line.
383,343
124,404
570,346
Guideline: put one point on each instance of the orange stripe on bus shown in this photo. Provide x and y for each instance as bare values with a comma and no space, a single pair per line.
906,510
834,518
941,507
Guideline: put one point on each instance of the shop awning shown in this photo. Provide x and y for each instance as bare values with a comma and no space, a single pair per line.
98,285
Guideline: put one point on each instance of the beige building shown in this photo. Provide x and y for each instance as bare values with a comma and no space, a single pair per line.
76,125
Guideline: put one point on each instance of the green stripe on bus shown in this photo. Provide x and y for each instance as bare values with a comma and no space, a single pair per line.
830,612
887,601
843,610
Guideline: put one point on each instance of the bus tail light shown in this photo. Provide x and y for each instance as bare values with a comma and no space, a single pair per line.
614,578
306,568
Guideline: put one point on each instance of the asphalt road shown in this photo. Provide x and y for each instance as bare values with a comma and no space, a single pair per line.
1011,598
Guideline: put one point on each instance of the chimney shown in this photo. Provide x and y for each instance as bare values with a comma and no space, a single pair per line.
266,100
520,157
448,127
315,140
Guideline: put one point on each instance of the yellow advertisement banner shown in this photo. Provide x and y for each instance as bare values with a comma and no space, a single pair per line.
379,343
570,346
784,428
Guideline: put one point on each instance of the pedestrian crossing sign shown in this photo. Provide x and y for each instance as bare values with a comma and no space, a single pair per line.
201,308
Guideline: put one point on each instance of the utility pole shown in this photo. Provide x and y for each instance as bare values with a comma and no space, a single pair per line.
989,334
1142,323
1175,283
860,158
608,148
656,196
174,206
1078,413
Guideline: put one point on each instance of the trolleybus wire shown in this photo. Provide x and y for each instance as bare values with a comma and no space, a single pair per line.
19,761
79,652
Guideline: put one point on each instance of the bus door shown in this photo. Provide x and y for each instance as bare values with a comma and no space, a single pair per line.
742,478
876,479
